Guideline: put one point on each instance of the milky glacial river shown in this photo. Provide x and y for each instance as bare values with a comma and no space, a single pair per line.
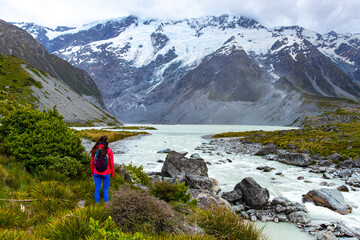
143,151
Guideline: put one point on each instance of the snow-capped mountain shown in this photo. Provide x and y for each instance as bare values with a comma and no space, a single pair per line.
224,69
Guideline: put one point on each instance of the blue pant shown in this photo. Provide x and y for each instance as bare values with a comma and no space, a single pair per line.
106,183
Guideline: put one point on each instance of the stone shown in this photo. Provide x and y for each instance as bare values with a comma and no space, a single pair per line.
326,235
123,172
233,196
269,148
168,150
265,168
177,164
253,194
160,161
296,159
357,163
300,178
346,164
345,173
343,188
196,156
334,157
329,198
203,183
291,146
299,217
207,200
326,176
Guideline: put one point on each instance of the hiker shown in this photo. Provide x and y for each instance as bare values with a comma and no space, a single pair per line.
102,167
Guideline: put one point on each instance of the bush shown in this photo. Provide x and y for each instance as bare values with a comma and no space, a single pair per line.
172,192
50,175
30,134
66,165
138,174
223,223
76,224
132,210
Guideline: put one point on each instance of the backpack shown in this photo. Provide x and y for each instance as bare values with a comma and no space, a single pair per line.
101,161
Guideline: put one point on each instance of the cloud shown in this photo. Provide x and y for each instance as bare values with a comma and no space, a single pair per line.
318,15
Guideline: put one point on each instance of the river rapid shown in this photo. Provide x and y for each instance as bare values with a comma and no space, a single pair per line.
143,151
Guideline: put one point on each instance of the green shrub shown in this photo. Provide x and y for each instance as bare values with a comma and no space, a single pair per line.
223,223
30,134
66,165
76,224
138,174
132,210
172,192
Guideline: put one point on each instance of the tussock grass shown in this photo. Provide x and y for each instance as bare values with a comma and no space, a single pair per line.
75,224
95,134
223,223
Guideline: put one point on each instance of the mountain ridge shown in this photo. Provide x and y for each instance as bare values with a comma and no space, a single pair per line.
143,63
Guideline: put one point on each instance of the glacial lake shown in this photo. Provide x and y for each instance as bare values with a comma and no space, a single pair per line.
143,151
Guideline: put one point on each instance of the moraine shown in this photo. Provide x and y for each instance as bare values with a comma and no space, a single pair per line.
143,151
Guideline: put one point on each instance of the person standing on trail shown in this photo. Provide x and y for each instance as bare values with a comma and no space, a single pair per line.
102,167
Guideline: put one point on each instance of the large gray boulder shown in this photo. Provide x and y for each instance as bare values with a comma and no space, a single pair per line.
203,183
330,198
269,148
253,194
296,159
177,164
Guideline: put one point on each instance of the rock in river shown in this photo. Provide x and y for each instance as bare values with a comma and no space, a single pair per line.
177,164
330,198
253,194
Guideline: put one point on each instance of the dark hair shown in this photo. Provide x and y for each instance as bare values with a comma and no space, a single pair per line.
103,140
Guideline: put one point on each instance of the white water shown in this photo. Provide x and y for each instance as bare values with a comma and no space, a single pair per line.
142,151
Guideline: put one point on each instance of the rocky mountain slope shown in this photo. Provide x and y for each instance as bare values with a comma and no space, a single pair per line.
22,84
17,42
224,69
52,82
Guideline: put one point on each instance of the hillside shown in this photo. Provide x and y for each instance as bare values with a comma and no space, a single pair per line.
22,84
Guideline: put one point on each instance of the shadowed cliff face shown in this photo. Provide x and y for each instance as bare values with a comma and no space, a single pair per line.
226,77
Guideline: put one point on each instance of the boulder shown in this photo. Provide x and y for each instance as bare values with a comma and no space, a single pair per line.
269,148
296,159
233,197
168,150
346,164
345,173
253,194
284,205
177,164
334,157
123,172
326,235
324,163
357,163
299,217
196,156
330,198
203,183
343,188
207,200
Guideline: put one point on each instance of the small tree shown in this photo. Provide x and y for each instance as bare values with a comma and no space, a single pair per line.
32,135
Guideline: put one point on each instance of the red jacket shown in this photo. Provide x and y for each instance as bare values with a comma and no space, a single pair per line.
110,169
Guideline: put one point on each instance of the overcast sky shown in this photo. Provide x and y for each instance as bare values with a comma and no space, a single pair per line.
318,15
